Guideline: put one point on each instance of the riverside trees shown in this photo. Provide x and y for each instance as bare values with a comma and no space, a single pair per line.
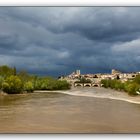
130,86
48,83
12,82
12,85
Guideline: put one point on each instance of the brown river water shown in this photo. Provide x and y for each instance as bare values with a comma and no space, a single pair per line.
61,113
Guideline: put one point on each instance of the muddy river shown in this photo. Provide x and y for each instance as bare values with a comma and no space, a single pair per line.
61,113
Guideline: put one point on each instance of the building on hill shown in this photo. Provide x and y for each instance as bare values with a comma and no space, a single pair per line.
113,72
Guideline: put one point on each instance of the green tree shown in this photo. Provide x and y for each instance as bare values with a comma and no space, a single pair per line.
62,85
28,86
1,82
14,71
106,83
6,71
12,85
23,75
47,83
132,88
137,79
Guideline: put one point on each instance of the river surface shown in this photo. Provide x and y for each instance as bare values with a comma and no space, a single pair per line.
62,113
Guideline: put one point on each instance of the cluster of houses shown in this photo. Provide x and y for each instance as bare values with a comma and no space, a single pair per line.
96,78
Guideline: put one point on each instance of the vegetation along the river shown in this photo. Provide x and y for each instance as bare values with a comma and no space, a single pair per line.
13,82
131,86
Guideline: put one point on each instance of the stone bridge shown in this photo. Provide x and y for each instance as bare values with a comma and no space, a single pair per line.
93,84
87,85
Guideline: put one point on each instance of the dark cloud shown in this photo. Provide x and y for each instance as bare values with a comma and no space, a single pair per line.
58,40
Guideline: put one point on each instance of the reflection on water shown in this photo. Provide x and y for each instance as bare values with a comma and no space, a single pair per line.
60,113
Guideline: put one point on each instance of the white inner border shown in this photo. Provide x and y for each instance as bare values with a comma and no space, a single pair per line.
69,3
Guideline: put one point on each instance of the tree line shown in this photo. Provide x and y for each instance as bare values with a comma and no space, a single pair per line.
132,87
13,82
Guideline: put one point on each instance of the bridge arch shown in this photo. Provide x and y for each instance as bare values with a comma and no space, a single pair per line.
95,85
102,85
87,85
78,84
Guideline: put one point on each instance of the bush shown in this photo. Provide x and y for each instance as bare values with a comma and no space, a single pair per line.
51,84
6,71
132,88
28,86
44,84
1,81
137,79
12,82
12,85
61,85
106,83
126,84
112,83
6,87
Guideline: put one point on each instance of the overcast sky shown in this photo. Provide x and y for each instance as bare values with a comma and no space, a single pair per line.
59,40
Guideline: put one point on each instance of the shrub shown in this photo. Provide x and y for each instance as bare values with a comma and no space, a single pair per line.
112,83
12,85
51,84
61,85
28,86
1,81
119,85
6,87
6,71
137,79
133,88
106,83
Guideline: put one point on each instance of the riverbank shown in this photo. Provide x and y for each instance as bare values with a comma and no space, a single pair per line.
98,92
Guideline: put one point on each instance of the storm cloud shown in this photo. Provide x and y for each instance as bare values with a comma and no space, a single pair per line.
58,40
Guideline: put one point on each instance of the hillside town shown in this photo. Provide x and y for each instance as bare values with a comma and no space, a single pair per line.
95,79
